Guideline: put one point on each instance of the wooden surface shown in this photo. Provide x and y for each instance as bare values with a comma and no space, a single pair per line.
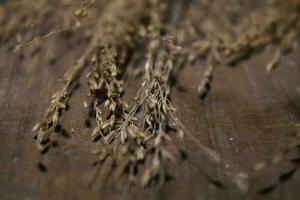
248,117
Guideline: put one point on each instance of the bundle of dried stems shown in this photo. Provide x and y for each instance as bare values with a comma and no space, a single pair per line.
133,138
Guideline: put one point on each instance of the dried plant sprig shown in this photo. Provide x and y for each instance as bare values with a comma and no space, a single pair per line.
279,23
105,80
158,110
58,104
112,52
104,33
205,84
273,63
23,17
142,133
72,21
279,27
